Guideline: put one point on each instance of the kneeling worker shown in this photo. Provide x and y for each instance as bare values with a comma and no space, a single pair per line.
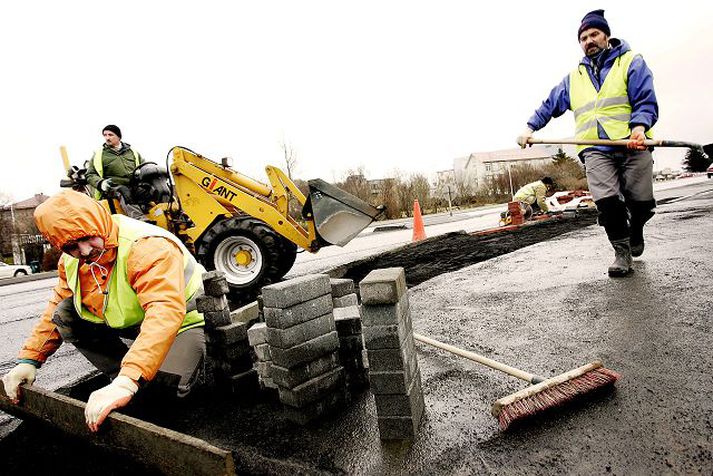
118,277
532,196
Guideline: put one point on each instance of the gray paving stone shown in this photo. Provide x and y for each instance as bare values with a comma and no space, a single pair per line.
216,319
264,369
383,286
392,359
294,291
268,383
411,404
314,389
327,405
302,312
306,352
229,352
393,382
230,334
257,334
290,378
386,314
212,303
300,333
341,286
245,384
263,352
345,301
247,313
215,284
399,428
238,365
351,345
386,337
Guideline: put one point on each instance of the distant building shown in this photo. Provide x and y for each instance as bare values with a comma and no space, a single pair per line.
475,169
19,236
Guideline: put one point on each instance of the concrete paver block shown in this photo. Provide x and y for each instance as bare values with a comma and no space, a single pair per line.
351,345
294,291
245,384
341,286
257,334
306,352
398,427
216,319
215,284
383,286
392,359
212,303
345,301
313,389
393,382
386,337
230,334
263,352
283,318
386,314
410,404
290,378
238,365
300,333
328,404
228,352
264,369
247,313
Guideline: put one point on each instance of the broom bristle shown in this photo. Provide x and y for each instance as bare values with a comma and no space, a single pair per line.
556,395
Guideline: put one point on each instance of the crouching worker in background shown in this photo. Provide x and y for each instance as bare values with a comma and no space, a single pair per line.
533,195
118,278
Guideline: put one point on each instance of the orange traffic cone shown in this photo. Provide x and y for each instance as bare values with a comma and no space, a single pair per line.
419,232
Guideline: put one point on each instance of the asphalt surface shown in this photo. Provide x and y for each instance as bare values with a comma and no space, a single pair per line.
547,308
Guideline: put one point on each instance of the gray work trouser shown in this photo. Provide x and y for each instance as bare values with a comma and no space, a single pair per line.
622,185
103,347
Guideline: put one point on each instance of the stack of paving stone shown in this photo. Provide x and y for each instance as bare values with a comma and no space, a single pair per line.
347,318
303,346
394,376
257,338
228,350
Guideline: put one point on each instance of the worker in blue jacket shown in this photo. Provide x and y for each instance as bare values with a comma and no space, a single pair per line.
611,93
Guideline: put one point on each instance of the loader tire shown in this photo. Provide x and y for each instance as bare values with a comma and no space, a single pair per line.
288,254
247,250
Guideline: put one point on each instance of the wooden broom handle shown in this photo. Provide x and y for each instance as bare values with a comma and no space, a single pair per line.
493,364
621,142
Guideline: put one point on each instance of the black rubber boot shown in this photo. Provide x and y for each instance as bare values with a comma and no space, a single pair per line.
622,259
636,240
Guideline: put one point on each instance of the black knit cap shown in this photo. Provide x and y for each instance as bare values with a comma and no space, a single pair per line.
594,19
114,129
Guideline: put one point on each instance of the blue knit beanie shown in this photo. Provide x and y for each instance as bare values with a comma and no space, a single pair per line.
594,19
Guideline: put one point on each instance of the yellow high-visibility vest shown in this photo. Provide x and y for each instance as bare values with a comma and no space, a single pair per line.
609,107
121,303
99,166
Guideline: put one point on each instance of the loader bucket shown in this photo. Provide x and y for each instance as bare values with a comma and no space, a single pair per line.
338,216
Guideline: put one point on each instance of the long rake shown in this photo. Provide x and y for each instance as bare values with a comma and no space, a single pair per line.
544,394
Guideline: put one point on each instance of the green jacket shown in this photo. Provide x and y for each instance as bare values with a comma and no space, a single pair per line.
534,192
119,165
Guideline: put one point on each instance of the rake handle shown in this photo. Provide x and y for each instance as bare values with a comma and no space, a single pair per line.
621,142
493,364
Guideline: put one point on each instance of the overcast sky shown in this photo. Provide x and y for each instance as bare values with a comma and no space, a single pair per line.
386,85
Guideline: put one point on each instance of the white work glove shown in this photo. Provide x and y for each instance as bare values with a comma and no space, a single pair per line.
522,138
21,373
106,185
101,402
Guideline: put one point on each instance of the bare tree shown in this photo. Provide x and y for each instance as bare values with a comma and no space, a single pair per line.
290,157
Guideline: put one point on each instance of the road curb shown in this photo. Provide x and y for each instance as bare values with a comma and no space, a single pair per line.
31,277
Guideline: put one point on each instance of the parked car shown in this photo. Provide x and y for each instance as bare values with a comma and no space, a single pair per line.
709,171
13,270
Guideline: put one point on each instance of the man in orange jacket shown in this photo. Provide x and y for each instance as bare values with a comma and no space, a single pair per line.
118,277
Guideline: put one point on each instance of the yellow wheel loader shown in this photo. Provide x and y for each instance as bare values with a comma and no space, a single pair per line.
233,223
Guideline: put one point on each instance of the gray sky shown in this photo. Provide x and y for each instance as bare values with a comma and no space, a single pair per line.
387,85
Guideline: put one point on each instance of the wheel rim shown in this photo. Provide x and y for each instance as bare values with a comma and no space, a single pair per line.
239,258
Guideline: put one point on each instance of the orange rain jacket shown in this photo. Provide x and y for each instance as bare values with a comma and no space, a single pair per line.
154,270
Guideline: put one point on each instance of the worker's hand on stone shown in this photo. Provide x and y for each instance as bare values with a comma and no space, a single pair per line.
522,138
101,402
637,138
21,373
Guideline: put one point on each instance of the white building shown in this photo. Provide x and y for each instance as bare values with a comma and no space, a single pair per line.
476,168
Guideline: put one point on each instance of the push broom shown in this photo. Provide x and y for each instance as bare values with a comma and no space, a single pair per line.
544,393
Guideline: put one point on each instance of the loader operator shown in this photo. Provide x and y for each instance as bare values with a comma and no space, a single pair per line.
611,93
532,196
118,278
112,165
